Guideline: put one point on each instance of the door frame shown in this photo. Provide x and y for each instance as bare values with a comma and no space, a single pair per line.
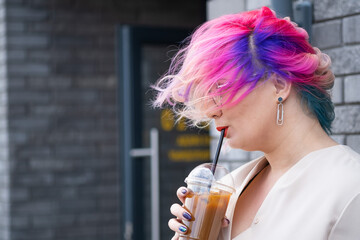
129,42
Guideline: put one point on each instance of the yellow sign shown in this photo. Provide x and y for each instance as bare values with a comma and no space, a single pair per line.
187,146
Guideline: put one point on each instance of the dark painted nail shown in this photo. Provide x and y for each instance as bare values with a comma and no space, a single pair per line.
184,191
186,216
182,229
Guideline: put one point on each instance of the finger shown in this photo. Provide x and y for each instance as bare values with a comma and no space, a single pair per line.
175,237
225,222
180,212
177,227
182,192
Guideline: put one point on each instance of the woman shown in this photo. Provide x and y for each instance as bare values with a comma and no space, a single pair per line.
258,76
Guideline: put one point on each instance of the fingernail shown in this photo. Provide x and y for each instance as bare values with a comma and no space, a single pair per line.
187,216
227,220
182,229
184,191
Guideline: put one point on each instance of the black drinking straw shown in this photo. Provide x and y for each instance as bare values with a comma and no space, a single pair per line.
213,167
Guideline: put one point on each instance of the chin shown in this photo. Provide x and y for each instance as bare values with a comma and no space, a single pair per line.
240,145
235,144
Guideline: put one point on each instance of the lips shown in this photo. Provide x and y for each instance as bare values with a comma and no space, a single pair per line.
221,128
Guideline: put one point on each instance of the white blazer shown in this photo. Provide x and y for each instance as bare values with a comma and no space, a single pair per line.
317,199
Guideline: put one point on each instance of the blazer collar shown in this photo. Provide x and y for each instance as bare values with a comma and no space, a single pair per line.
242,177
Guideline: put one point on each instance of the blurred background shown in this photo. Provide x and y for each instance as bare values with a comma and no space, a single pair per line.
83,155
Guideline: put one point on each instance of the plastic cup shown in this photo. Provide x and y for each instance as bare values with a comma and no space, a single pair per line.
207,202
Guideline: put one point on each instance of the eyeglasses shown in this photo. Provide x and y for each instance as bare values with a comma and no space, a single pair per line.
218,99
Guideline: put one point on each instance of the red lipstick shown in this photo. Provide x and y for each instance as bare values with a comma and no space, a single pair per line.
221,128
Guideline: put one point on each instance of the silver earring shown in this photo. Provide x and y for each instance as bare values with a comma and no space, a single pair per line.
280,112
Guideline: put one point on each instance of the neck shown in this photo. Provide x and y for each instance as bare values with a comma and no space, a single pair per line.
297,143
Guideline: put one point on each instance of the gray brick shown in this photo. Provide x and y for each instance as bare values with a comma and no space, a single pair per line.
103,191
53,221
3,84
50,193
352,89
2,28
33,180
337,91
18,137
42,27
75,41
49,82
4,223
339,138
74,151
32,234
39,207
18,222
79,205
345,60
34,151
347,119
27,69
27,123
16,111
354,142
75,179
3,124
3,98
78,232
110,204
19,194
50,165
39,55
81,137
2,42
4,210
16,55
15,83
15,27
4,181
99,82
327,9
26,14
327,34
73,96
27,41
46,110
351,30
28,97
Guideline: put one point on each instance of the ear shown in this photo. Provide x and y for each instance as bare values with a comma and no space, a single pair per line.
282,87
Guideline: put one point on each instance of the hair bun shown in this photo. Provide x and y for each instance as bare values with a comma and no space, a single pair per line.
323,72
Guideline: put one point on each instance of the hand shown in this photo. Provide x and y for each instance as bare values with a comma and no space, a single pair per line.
180,213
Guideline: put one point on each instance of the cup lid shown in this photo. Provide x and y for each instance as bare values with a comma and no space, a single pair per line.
202,174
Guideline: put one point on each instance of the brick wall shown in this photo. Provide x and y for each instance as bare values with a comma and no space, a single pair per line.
4,156
60,102
336,31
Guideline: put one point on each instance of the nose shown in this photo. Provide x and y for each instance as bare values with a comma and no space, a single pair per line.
214,113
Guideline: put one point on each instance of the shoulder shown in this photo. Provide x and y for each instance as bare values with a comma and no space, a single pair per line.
347,225
339,160
337,171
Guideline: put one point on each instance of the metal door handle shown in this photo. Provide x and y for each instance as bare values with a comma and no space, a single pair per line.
153,153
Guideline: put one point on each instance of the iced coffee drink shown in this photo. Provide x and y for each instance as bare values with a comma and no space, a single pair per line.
207,202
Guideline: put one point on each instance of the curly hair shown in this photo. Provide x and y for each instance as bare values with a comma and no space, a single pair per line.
234,53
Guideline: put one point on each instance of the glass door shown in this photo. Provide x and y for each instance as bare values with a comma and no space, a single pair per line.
143,57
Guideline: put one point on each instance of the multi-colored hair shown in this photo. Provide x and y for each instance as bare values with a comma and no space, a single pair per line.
234,53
